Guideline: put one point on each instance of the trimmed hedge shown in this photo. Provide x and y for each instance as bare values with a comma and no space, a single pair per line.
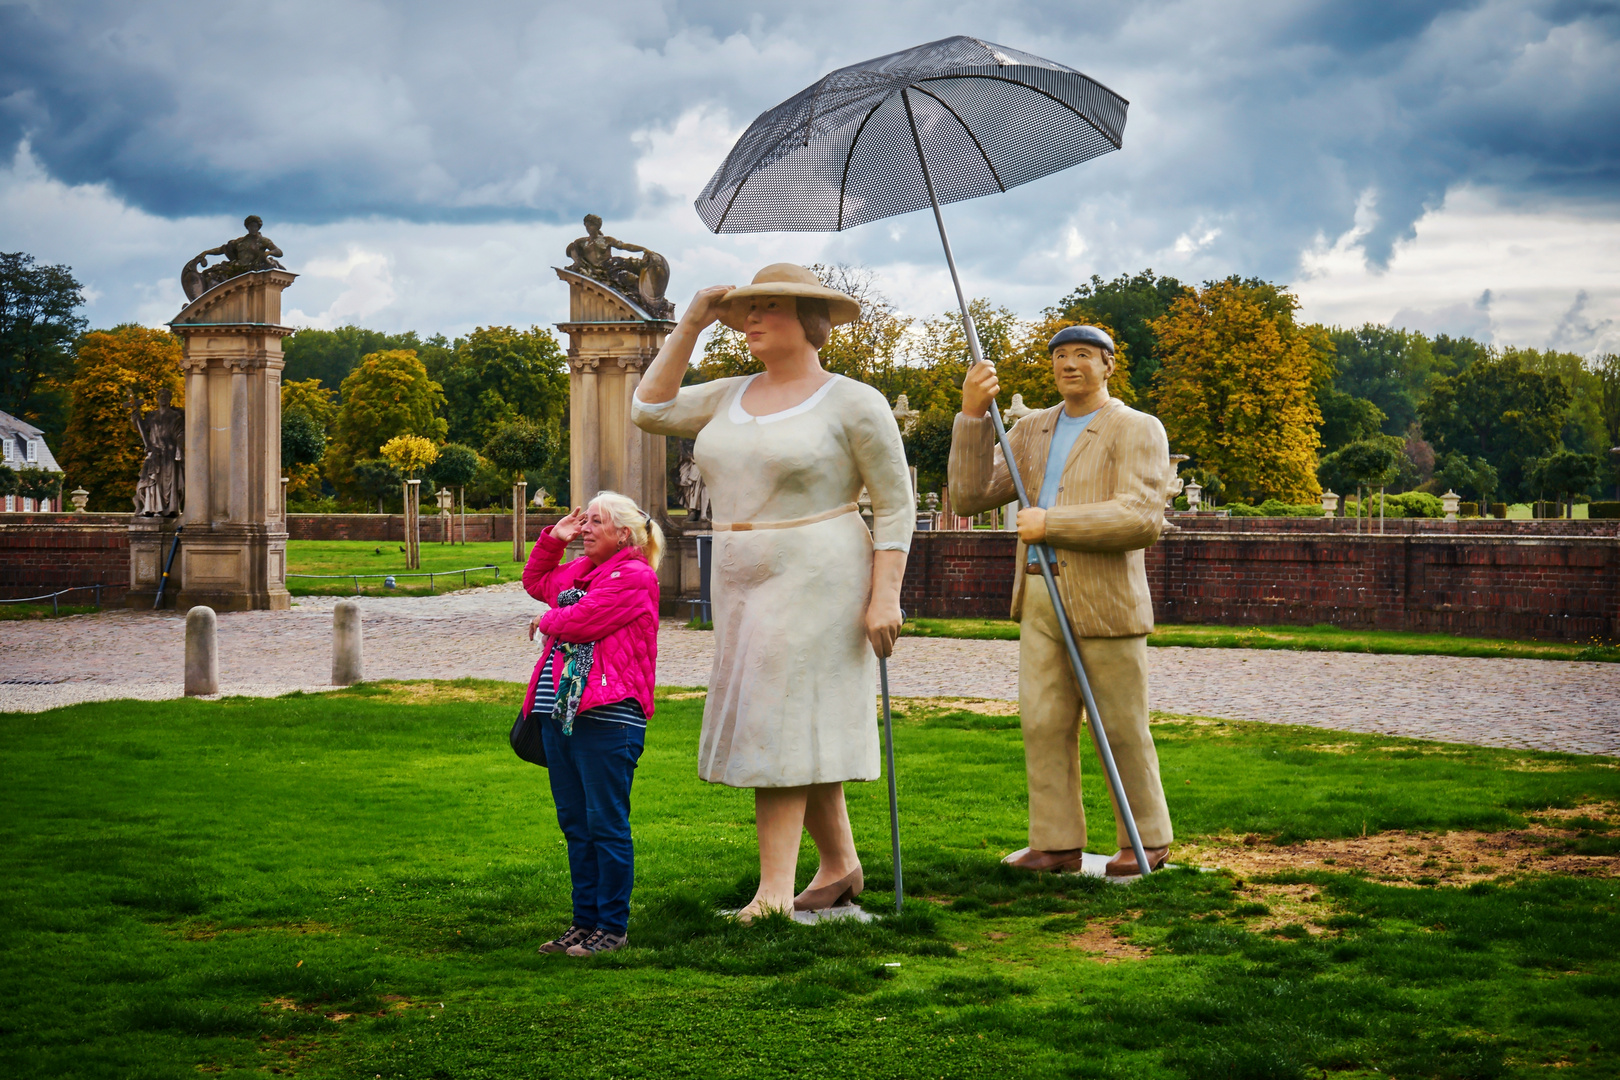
1606,510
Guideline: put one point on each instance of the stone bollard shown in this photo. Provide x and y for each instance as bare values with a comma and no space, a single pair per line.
346,652
202,652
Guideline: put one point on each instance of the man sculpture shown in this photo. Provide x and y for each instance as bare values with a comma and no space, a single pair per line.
642,280
244,255
1099,468
161,486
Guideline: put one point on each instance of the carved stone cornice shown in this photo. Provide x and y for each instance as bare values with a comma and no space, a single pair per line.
189,314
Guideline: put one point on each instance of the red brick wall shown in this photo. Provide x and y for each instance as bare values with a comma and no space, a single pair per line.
42,553
384,527
1502,580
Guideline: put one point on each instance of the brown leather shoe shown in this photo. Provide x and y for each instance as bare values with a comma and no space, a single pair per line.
1123,864
842,891
1055,862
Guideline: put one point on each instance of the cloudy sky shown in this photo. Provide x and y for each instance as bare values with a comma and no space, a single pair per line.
1443,166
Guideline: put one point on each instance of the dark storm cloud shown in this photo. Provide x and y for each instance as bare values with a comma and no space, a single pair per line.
1255,125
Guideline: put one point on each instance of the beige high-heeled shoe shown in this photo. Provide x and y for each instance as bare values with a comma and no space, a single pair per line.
844,890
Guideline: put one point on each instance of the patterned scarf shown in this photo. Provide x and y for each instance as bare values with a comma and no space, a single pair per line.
576,668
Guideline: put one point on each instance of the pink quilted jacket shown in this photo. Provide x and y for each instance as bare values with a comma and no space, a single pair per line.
619,612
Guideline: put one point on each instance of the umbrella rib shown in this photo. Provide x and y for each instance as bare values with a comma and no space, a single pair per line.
734,193
988,163
1027,86
843,181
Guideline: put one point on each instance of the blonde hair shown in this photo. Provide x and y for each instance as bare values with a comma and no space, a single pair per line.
644,531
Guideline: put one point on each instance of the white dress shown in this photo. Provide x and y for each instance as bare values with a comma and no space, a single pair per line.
792,696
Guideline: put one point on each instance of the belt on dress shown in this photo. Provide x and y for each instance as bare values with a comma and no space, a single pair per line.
790,523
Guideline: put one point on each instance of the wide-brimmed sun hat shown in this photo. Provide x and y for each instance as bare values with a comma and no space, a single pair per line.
788,279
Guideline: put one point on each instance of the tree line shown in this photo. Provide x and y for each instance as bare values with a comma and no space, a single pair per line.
1267,407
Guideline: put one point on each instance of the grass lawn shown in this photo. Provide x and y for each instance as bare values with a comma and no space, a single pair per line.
23,612
1319,638
388,557
354,885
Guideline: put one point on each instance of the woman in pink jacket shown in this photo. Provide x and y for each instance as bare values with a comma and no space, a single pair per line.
592,693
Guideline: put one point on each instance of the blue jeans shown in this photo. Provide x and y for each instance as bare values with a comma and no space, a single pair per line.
591,771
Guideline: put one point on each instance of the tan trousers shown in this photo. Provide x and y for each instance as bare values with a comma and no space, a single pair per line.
1052,714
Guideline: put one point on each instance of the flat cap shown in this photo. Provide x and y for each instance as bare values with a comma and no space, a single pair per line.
1080,335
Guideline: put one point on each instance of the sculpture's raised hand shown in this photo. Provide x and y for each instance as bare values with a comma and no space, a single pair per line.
705,307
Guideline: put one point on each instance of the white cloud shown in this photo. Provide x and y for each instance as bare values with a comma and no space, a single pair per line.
1545,276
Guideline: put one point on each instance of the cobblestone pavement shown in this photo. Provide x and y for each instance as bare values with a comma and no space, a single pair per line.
1534,704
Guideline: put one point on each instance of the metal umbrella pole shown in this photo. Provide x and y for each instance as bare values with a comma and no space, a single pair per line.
894,801
1042,553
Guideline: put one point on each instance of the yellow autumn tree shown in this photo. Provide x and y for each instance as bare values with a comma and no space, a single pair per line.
409,454
1234,389
101,450
319,404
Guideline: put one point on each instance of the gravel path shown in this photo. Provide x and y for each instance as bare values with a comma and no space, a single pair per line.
1533,704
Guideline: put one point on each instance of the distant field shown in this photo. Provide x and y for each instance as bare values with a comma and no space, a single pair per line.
388,557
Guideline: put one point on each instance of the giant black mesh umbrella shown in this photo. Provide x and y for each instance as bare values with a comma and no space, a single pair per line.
950,120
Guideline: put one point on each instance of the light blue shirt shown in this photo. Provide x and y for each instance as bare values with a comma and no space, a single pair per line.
1069,429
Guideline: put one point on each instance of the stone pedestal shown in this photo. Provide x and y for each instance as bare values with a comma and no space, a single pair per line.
233,552
611,340
150,540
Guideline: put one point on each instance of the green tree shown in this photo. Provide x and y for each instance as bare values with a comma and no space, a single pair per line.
455,467
1393,369
38,322
1235,389
1453,355
520,446
302,440
1499,410
497,374
1372,462
389,394
100,448
1584,430
329,355
1128,306
375,478
928,447
1346,418
1565,474
1470,476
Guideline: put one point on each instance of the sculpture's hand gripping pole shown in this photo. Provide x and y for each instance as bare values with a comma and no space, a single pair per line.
1041,551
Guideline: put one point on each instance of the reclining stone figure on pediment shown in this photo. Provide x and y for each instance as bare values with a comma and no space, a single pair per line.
641,280
244,255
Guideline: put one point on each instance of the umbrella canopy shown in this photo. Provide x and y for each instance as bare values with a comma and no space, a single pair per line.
844,151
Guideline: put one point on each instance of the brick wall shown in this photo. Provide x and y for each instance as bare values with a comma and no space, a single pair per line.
41,553
1503,580
384,527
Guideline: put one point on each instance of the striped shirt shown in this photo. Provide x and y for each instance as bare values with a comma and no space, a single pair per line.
627,711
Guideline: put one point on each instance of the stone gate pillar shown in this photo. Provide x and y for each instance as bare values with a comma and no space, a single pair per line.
233,549
611,340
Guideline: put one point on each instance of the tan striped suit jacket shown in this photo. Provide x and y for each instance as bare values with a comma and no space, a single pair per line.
1109,508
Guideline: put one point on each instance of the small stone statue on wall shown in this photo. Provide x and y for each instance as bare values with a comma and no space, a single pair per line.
642,280
244,255
694,493
161,487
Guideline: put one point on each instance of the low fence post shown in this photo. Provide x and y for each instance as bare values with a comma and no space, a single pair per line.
202,652
347,659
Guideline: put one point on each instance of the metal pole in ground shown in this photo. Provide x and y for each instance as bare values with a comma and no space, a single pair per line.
202,652
347,658
894,800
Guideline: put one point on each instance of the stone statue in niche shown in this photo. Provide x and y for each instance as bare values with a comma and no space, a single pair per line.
244,255
694,493
642,280
161,487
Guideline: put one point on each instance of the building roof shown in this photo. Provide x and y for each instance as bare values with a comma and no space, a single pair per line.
15,435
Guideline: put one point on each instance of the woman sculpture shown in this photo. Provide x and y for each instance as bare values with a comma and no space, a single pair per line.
805,598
